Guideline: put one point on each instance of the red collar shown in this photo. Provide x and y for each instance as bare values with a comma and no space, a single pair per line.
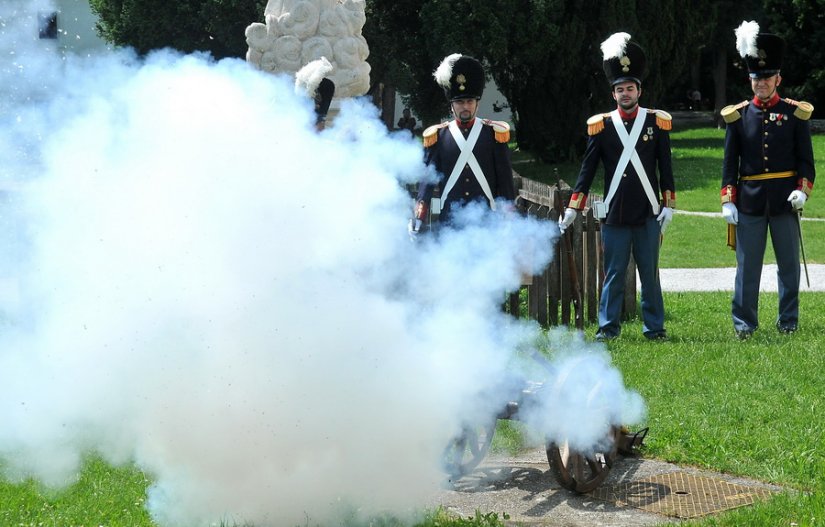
627,116
764,105
466,126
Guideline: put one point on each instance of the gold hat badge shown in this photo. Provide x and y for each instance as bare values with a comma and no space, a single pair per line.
625,62
461,80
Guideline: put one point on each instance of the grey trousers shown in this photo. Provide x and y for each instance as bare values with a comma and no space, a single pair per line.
751,239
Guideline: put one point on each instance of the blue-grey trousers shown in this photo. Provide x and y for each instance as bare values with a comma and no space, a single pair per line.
751,239
618,242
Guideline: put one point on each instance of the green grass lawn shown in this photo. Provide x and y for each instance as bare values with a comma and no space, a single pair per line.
699,241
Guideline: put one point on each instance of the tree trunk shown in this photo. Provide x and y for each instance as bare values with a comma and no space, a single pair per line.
720,84
388,105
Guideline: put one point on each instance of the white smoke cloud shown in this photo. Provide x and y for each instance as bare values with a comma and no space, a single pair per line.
211,290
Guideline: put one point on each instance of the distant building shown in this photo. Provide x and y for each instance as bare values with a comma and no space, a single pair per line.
65,26
493,105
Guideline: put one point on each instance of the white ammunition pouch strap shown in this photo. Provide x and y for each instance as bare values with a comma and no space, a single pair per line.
466,158
630,155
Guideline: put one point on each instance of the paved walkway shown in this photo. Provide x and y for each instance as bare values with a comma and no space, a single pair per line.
721,279
524,488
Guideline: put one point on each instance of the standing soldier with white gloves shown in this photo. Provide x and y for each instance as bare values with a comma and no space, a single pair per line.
767,176
632,143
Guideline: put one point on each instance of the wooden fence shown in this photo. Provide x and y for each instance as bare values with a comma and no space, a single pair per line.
567,291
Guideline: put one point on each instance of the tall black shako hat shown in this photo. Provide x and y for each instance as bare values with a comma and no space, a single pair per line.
762,51
623,60
311,80
462,77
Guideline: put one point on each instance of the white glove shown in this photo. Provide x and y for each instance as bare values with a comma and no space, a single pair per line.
730,213
797,199
413,228
664,218
566,220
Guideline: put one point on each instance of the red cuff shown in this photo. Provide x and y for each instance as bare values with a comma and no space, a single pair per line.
577,200
728,194
805,186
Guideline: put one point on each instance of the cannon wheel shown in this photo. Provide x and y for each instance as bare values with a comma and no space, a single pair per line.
579,472
468,450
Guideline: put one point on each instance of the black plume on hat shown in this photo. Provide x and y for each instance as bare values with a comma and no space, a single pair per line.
762,51
623,60
462,77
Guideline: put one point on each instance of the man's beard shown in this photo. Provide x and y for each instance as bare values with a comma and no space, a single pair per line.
465,116
628,105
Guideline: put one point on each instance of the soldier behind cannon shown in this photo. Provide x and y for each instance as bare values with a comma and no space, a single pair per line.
470,154
633,144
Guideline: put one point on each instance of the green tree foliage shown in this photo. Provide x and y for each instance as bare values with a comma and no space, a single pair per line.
802,24
544,55
214,26
400,55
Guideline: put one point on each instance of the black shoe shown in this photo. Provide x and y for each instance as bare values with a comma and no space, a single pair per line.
604,337
657,335
786,328
743,334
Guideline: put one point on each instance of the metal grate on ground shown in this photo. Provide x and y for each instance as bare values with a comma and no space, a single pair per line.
681,495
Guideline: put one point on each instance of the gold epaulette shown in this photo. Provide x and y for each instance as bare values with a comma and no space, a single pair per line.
501,129
596,123
803,109
663,120
730,113
430,135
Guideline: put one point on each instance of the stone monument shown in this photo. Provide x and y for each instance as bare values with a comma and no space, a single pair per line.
297,32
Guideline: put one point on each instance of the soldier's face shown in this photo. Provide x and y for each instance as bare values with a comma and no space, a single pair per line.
464,109
626,95
765,87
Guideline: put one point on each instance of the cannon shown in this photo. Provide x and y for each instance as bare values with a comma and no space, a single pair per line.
580,472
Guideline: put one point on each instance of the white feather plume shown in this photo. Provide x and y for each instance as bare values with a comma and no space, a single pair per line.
445,70
614,46
310,76
746,39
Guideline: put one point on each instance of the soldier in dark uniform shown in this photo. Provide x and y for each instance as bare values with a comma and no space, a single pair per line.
633,145
767,175
311,80
469,154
